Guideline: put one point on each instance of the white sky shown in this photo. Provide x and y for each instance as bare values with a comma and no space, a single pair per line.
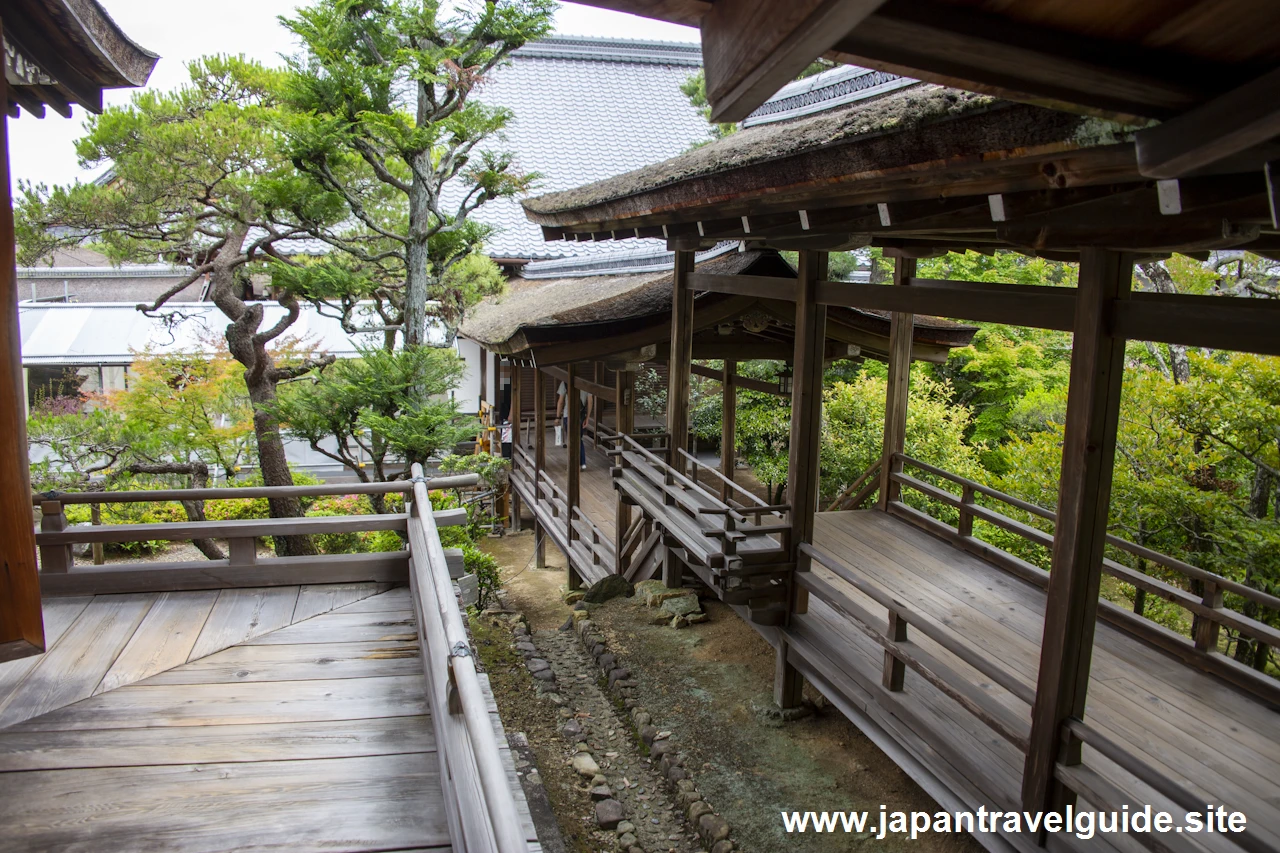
42,150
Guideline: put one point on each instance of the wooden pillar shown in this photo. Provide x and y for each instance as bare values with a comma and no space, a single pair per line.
672,568
728,425
21,621
806,437
681,360
484,379
901,331
574,484
624,382
539,460
516,416
1088,453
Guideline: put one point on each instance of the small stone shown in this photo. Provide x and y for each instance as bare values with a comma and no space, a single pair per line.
526,647
688,798
713,828
681,605
520,630
697,809
618,675
679,622
597,650
608,814
585,765
676,774
635,850
606,662
545,675
534,777
685,784
555,699
698,617
611,586
647,734
598,779
660,619
724,845
537,664
625,827
579,617
630,704
581,605
571,730
660,748
601,792
574,597
641,718
580,746
568,625
626,840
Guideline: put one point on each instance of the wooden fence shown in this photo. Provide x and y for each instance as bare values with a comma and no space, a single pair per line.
60,574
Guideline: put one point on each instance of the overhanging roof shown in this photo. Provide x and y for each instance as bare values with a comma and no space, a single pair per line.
595,317
63,52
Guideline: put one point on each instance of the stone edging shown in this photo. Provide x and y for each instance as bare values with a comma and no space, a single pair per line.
711,827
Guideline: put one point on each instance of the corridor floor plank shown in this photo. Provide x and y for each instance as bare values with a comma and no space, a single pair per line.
340,627
76,664
59,614
295,662
396,598
163,640
242,614
315,599
227,704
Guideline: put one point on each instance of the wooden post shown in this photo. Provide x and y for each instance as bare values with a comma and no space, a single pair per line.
1088,452
895,671
728,426
539,461
243,551
54,559
672,569
678,367
624,382
573,404
516,416
98,549
806,436
901,331
484,379
1207,630
21,620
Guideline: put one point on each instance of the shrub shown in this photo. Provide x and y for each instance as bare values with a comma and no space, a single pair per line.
485,568
240,509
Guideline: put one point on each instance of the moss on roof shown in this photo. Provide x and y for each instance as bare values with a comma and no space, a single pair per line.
896,112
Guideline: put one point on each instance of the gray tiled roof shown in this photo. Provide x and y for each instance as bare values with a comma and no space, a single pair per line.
585,109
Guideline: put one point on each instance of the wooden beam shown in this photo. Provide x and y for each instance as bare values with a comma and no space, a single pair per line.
805,441
901,331
21,620
761,286
969,49
573,486
728,424
1227,125
484,377
741,381
1088,455
752,48
1216,322
1036,306
678,367
582,383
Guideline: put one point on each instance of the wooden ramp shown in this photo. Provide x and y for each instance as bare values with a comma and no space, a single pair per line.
300,732
1215,740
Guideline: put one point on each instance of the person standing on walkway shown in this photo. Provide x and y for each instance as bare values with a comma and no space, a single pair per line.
562,417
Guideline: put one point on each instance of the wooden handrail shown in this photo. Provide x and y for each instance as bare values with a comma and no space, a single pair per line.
250,528
451,666
1173,563
145,496
1160,782
934,631
853,487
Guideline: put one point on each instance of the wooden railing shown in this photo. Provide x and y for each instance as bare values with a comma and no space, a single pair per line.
901,653
1201,651
545,490
857,493
61,575
480,805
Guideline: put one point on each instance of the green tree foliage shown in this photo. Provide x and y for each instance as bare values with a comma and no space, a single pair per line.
382,117
198,179
364,412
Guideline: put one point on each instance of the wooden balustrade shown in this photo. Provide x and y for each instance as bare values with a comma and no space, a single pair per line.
1200,650
60,575
481,808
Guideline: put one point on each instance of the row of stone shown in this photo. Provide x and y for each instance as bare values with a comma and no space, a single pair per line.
711,827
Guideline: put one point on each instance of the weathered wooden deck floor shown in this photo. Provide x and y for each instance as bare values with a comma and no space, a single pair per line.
599,500
1211,738
283,719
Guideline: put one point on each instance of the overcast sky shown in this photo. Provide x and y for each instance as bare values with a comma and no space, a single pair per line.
42,150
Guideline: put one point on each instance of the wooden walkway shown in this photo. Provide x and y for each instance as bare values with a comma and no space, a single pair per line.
284,719
1213,739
